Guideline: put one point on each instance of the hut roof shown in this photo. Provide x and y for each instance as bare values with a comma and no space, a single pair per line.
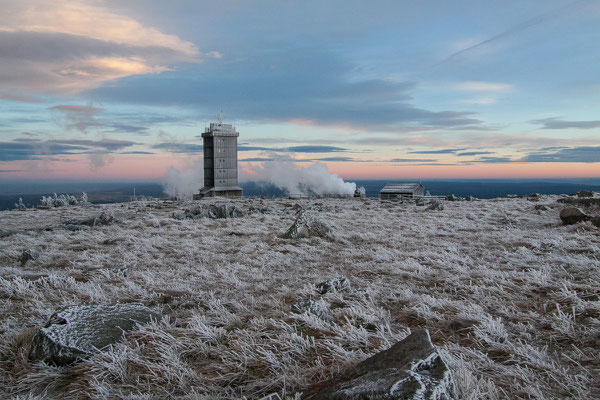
400,188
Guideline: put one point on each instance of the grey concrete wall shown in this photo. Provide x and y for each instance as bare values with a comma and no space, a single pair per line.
220,161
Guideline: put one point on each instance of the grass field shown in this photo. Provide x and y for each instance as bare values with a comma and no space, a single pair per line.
510,296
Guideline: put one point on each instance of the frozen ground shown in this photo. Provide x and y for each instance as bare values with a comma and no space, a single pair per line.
509,294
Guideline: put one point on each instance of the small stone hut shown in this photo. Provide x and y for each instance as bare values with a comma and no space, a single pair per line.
393,191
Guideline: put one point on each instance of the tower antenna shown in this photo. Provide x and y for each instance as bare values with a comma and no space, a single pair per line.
220,119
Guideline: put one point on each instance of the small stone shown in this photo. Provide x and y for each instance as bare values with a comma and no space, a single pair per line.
410,369
435,206
541,207
74,228
27,255
309,306
333,285
451,197
570,216
103,219
458,324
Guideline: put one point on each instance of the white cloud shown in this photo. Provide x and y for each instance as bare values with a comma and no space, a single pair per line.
214,54
482,100
74,45
479,86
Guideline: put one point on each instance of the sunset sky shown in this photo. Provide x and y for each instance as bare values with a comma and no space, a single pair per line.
122,89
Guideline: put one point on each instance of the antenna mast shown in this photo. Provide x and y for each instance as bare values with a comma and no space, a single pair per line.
220,119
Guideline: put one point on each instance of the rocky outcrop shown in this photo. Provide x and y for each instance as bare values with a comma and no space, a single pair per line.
571,215
79,331
584,193
306,225
222,211
213,211
410,369
101,219
581,202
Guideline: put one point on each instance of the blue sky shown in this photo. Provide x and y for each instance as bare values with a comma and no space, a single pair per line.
122,89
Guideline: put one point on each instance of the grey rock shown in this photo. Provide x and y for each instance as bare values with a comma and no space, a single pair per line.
469,198
333,285
101,219
259,210
595,221
318,207
572,215
459,324
581,202
27,255
309,306
73,227
451,197
410,369
584,193
306,225
213,211
435,205
419,202
541,207
79,331
178,215
228,211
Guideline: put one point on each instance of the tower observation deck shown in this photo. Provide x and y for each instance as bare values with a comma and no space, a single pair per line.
220,161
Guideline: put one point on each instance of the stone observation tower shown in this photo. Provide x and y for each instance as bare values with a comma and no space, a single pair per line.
220,161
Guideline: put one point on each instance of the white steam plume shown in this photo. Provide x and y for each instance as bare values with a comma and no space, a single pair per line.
315,178
183,184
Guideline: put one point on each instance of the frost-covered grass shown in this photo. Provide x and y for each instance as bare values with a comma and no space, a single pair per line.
509,295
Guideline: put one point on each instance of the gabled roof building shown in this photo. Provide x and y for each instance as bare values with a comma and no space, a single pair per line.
401,190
